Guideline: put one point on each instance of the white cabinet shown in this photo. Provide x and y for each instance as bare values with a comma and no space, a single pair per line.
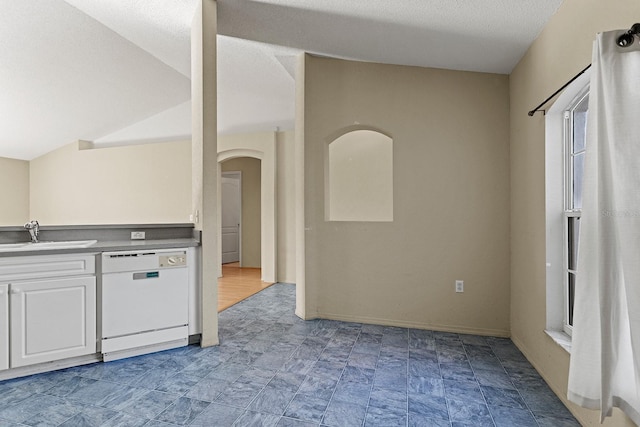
4,326
52,319
47,308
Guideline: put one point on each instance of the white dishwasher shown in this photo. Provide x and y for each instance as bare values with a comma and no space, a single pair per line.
145,302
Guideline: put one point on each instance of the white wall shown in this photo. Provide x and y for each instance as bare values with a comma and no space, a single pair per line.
14,191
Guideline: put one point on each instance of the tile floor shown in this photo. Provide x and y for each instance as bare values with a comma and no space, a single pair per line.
273,369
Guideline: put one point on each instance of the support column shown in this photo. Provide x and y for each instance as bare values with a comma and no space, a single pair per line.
204,159
301,294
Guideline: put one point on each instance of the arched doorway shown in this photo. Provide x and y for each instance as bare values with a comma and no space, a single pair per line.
268,248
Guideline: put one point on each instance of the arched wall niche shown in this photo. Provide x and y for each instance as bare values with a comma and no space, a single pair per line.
347,129
359,175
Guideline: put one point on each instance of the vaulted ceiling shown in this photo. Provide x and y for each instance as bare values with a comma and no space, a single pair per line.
117,71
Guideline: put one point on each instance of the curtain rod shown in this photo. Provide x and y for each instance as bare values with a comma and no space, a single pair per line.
625,40
535,110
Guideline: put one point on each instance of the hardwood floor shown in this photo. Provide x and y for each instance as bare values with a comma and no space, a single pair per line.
237,284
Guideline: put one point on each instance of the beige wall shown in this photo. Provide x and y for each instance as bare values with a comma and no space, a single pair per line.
141,184
450,134
14,191
286,236
250,168
132,184
561,50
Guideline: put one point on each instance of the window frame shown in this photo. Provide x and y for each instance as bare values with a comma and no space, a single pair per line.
554,158
572,214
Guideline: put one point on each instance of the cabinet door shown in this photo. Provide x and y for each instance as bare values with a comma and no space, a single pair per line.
52,319
4,327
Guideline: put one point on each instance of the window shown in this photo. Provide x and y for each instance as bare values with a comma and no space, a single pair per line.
575,130
565,125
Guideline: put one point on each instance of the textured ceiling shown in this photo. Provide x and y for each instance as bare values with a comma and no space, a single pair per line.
473,35
162,27
117,71
255,93
65,77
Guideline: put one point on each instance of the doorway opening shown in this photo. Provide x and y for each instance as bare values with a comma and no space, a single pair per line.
231,221
240,226
237,284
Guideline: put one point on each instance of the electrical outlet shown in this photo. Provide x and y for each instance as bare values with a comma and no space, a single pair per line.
138,235
459,286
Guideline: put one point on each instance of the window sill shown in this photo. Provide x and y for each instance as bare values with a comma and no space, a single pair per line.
560,338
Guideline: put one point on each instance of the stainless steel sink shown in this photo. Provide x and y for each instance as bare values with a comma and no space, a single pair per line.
42,246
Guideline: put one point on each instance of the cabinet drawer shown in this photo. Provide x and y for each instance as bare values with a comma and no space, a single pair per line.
36,267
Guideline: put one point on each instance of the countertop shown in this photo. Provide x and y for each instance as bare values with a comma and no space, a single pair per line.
109,246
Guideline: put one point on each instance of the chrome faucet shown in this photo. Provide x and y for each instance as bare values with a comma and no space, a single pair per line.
33,228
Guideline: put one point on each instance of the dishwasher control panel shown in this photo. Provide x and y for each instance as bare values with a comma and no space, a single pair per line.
173,260
145,260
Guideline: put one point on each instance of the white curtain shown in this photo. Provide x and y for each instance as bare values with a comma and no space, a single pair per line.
605,352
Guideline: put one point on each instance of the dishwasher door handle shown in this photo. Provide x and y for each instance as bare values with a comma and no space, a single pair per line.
146,275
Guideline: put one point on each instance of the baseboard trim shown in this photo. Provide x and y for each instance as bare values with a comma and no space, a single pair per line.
55,365
556,390
503,333
304,315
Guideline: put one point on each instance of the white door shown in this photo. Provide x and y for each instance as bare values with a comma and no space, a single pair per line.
52,319
4,327
231,200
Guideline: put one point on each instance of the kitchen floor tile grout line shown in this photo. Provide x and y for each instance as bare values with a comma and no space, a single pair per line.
516,389
484,399
346,363
324,354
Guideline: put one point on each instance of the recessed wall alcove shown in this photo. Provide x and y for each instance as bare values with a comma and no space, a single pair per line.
359,176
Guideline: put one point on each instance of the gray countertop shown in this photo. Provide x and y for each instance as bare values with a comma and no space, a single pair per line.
110,237
109,246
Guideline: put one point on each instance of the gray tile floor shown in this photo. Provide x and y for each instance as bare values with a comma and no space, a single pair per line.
273,369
